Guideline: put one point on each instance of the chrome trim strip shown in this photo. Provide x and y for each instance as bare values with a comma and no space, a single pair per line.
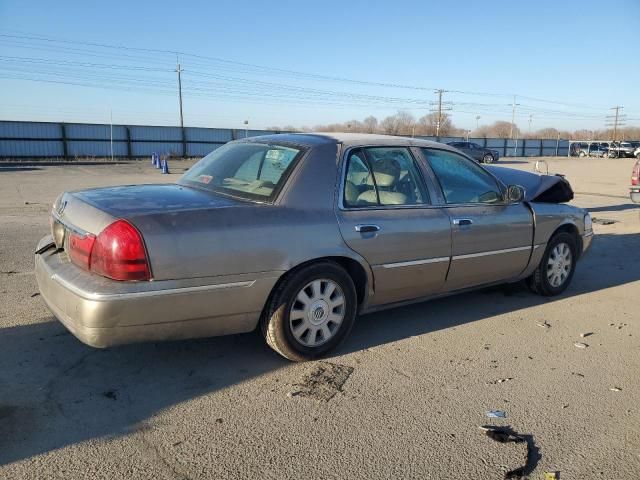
414,262
491,252
68,226
150,293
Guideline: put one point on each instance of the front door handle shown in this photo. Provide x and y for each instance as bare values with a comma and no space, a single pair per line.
367,228
462,221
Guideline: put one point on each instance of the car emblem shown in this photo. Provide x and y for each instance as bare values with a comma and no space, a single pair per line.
61,207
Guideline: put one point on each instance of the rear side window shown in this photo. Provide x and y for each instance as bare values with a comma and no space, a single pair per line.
383,176
462,180
254,171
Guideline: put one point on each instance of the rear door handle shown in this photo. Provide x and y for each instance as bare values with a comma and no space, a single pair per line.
367,228
462,221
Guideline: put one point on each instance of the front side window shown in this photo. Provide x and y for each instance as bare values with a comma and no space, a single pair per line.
380,176
462,181
255,171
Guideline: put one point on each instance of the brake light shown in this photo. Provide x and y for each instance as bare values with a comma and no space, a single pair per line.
635,175
119,253
80,247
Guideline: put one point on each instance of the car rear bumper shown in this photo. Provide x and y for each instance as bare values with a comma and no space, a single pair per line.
634,194
102,312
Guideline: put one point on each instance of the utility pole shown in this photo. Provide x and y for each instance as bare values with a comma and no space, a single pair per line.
530,120
513,124
616,120
179,70
441,107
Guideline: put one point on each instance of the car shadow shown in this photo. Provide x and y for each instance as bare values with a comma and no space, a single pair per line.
56,392
614,208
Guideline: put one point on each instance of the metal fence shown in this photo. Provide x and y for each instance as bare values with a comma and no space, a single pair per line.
69,141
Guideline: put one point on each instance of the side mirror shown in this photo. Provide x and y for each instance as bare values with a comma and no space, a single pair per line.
515,194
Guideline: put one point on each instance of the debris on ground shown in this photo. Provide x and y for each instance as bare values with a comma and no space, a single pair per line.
580,345
586,334
615,389
496,414
551,475
506,434
500,380
323,382
544,324
603,221
37,294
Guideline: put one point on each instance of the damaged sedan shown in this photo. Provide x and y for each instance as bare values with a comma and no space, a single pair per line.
297,234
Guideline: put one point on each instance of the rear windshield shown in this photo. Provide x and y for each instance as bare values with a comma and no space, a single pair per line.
255,171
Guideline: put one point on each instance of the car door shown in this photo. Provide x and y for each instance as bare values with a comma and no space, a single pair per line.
474,151
491,239
385,214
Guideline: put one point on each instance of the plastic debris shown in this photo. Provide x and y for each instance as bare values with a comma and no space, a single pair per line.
615,389
580,345
496,414
551,475
506,434
543,324
586,334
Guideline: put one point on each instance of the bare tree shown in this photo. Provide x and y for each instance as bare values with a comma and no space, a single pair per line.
405,122
370,124
429,125
545,133
389,125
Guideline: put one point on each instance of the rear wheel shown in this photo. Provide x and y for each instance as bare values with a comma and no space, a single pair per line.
612,154
582,154
311,312
555,271
488,158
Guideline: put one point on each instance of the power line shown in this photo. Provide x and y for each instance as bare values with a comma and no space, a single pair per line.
261,69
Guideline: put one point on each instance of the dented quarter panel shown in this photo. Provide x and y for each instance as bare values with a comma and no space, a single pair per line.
551,216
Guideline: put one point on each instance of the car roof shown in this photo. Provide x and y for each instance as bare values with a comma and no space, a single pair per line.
346,139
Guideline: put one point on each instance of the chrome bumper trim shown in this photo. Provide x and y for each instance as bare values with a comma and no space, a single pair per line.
151,293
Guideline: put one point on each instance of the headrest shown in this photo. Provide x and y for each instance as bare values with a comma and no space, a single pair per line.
387,172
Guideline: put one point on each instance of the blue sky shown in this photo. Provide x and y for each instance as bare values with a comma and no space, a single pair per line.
568,62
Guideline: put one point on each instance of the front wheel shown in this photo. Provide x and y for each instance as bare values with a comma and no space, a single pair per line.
582,154
555,271
612,154
488,158
311,312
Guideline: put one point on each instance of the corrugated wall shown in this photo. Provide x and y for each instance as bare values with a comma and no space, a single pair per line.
79,140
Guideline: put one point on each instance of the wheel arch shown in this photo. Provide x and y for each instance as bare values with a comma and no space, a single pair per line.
358,270
573,230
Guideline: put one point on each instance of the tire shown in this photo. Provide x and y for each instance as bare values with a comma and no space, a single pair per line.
297,330
542,281
488,158
612,154
582,154
638,156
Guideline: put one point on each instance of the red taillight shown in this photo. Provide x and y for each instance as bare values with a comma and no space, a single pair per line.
635,175
119,253
80,249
